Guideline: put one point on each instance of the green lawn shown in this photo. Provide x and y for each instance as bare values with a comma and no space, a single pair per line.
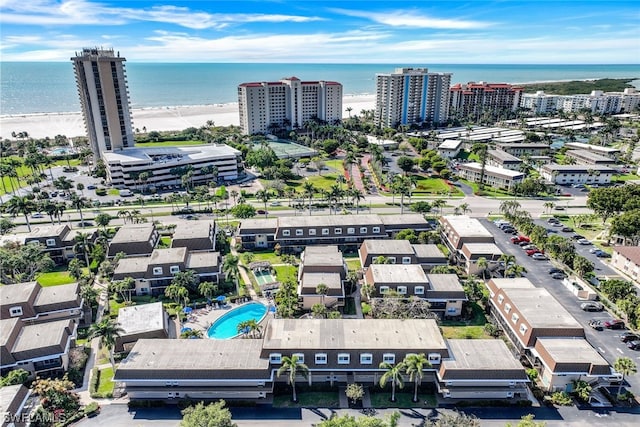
353,263
165,241
284,272
337,165
323,182
113,192
382,399
433,186
269,256
317,399
168,143
627,177
106,383
464,332
55,278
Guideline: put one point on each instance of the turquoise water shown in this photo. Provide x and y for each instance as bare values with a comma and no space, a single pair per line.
227,326
49,87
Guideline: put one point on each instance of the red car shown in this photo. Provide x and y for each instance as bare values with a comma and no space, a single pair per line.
534,251
614,324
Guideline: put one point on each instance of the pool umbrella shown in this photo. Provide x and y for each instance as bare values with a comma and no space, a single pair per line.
272,308
183,330
221,298
187,310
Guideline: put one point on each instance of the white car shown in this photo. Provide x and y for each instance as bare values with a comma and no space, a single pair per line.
538,256
37,215
584,242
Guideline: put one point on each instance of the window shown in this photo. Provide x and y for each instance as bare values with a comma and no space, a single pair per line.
376,229
299,232
402,290
321,358
312,232
363,230
15,311
300,357
500,299
325,231
351,230
389,358
434,358
157,271
286,233
337,230
419,290
366,359
406,260
392,259
344,358
515,318
507,308
523,329
275,358
50,242
384,289
174,269
492,294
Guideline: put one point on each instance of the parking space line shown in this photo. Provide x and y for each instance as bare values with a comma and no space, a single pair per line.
601,350
621,352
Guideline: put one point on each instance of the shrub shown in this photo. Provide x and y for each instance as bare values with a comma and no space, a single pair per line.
91,409
561,398
95,379
366,308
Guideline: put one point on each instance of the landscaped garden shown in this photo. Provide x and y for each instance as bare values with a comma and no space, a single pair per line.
60,276
381,398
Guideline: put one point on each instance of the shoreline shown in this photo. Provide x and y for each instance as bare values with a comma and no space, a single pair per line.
165,118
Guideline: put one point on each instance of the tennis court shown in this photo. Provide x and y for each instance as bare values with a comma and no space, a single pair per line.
264,277
289,150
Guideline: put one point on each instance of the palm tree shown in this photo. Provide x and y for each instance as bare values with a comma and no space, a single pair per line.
83,245
264,196
21,205
177,293
108,330
482,265
516,270
207,289
191,334
231,270
394,374
308,190
414,366
464,208
322,290
481,149
357,196
506,259
78,203
548,206
255,330
293,368
626,366
438,204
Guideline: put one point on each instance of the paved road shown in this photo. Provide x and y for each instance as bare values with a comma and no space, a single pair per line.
606,342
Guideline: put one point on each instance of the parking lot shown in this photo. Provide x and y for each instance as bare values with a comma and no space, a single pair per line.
606,341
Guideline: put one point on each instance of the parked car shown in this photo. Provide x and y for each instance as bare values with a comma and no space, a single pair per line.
261,212
558,276
602,254
91,187
567,229
614,324
505,225
555,270
556,224
577,237
584,242
558,208
85,224
591,306
534,251
524,245
509,230
634,345
37,215
596,324
519,239
629,336
539,257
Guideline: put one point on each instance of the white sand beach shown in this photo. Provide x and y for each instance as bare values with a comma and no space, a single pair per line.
159,119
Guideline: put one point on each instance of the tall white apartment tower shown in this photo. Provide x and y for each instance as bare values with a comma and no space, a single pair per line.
289,103
411,95
104,98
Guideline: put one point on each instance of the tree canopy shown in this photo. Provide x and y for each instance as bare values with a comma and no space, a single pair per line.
212,415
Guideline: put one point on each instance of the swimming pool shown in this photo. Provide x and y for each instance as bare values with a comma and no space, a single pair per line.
227,326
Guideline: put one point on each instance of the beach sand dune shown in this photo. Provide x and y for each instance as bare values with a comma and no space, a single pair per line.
158,119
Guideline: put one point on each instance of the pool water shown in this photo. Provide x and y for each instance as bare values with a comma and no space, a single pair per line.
227,326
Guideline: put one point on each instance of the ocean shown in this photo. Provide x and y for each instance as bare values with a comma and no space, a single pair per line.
39,87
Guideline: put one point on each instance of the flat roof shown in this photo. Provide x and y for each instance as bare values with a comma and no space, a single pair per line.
428,250
592,147
450,144
482,248
133,233
398,273
503,156
57,294
46,231
134,264
322,255
332,280
141,318
465,226
192,230
41,335
577,168
588,154
168,255
259,223
491,170
328,220
481,354
6,328
150,357
516,282
17,293
408,219
444,282
352,334
200,259
388,246
571,350
541,309
171,156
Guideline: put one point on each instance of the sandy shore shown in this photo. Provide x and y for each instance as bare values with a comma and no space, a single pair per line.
159,119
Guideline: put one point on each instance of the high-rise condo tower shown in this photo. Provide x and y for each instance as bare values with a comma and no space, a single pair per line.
104,98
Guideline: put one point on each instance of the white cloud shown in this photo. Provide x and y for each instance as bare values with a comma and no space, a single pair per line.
414,19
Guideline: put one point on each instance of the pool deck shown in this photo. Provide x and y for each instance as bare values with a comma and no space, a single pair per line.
202,319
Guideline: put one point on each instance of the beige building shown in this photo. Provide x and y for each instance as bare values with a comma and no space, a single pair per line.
321,265
576,174
496,177
627,260
288,104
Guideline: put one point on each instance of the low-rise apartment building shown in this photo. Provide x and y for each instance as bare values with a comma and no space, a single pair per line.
450,148
576,174
460,229
520,149
471,253
496,177
14,410
627,260
401,252
195,236
588,157
610,152
134,239
154,273
32,303
504,160
321,265
146,321
57,240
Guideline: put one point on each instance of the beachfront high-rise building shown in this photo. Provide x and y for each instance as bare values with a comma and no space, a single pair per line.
411,95
104,98
289,103
474,100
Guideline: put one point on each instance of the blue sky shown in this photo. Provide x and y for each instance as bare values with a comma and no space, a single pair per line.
392,31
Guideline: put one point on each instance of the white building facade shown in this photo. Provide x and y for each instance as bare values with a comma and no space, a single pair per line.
288,104
411,95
